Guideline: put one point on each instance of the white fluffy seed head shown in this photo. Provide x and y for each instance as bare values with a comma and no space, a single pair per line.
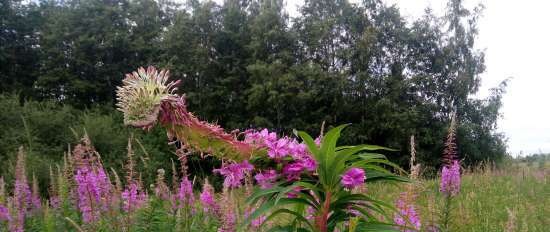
141,93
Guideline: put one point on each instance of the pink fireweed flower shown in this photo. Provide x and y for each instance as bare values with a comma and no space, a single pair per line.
93,191
4,214
55,202
22,196
132,198
279,149
353,178
266,179
297,150
256,222
292,171
185,193
406,215
227,215
260,138
208,200
308,163
234,173
228,223
450,179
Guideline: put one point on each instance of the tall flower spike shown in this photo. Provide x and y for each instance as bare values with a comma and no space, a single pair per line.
450,179
449,154
130,164
147,98
208,200
21,192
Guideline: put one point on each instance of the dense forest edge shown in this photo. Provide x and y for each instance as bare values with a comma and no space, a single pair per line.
244,64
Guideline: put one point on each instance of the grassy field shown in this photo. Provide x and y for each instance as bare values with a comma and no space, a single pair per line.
516,198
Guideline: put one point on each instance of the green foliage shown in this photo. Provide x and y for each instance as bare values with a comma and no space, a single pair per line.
47,128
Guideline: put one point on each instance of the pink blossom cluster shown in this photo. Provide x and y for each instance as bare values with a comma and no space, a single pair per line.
208,200
406,215
234,173
93,191
265,179
294,155
256,222
4,214
352,178
184,196
450,179
132,198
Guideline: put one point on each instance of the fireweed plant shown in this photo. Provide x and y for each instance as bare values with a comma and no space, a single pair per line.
328,199
450,176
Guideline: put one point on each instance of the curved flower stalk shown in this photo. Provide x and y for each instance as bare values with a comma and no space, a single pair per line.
147,98
328,196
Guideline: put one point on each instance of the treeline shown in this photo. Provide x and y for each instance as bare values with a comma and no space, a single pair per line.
247,63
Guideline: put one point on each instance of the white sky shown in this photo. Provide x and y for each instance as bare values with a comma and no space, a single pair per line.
516,37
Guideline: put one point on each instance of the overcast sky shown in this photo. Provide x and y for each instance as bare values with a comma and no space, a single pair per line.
516,37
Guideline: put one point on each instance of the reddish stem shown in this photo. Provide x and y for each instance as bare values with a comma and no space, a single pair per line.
322,218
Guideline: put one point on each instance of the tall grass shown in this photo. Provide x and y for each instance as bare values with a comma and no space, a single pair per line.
513,198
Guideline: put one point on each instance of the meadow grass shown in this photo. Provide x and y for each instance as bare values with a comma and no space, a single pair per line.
514,198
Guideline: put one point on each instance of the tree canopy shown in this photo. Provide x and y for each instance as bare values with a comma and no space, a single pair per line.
247,63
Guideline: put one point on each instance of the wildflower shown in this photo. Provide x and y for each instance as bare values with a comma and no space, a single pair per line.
89,194
256,222
234,173
298,150
308,163
207,199
292,171
279,149
406,215
22,197
353,178
185,193
228,217
450,179
260,138
4,214
266,179
55,202
132,199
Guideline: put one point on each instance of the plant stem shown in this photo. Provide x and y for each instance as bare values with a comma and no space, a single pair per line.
446,217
